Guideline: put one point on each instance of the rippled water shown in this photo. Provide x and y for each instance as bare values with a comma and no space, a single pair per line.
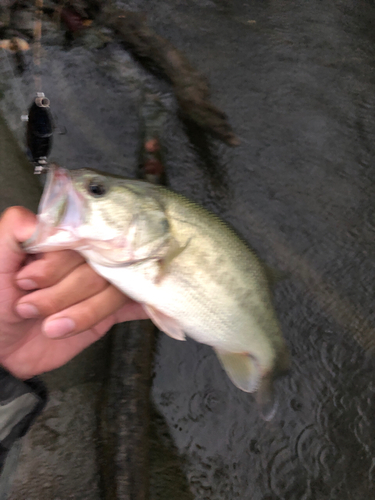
297,81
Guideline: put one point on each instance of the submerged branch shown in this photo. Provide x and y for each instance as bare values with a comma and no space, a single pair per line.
190,87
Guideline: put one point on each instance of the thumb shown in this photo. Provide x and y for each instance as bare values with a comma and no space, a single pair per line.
16,225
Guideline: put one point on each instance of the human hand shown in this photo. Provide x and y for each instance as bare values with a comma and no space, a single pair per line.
51,307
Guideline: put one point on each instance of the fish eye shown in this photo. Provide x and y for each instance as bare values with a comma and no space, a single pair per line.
96,188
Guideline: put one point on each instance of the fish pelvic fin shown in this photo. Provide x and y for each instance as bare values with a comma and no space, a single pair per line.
165,323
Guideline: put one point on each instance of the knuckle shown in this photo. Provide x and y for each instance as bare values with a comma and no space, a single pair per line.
48,268
93,280
11,214
118,298
50,304
55,264
88,316
16,213
43,274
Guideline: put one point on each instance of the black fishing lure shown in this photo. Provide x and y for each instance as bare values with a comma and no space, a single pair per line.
39,131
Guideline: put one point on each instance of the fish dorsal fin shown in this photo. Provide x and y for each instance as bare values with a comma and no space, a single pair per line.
165,323
246,374
241,368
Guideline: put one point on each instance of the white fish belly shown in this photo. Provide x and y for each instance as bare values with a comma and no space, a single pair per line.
204,315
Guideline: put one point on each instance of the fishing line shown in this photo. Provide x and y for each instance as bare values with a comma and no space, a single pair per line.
37,45
18,92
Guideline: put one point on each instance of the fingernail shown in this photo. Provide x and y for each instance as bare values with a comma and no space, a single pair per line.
59,327
27,284
27,311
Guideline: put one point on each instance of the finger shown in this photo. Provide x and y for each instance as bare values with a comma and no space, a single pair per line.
82,283
16,225
131,311
48,270
84,315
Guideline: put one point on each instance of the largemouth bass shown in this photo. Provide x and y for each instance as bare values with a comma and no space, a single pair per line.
191,272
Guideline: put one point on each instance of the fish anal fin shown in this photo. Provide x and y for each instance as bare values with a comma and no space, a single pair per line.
241,368
165,323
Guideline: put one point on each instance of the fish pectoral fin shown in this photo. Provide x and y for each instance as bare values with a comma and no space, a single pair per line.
241,368
174,251
246,374
165,323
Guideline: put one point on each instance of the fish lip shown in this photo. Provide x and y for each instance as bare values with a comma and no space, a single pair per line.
60,214
57,184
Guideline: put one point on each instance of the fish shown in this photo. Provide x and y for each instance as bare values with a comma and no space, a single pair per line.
192,273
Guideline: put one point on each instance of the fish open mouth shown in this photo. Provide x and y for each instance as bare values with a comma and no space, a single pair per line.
60,214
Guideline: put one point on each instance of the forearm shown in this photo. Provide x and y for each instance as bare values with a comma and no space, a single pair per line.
20,403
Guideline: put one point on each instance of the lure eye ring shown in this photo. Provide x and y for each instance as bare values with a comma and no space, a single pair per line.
42,102
96,188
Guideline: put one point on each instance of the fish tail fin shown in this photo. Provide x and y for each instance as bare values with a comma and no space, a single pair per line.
266,398
246,373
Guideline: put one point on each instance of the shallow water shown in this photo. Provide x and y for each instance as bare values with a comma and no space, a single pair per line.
297,82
